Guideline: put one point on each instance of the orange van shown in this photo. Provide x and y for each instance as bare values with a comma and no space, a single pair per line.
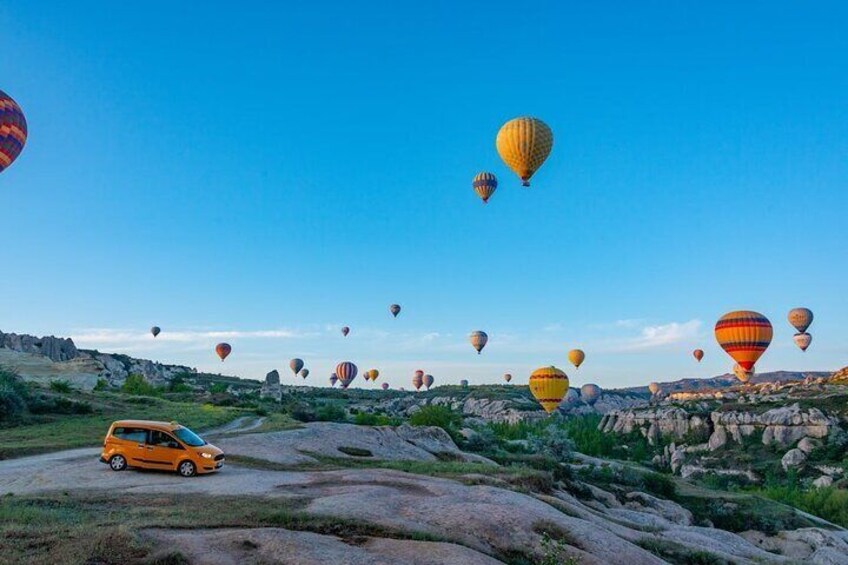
159,445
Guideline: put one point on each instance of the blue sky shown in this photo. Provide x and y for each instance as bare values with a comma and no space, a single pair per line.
266,175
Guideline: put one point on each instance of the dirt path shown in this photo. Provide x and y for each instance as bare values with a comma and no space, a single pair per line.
238,426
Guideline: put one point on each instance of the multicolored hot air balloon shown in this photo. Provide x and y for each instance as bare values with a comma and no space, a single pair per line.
744,335
802,340
744,375
334,379
507,377
484,185
418,380
654,388
13,130
345,330
800,318
428,381
384,386
346,372
394,309
548,385
303,373
296,365
590,393
155,330
576,356
698,354
463,383
478,340
223,349
524,144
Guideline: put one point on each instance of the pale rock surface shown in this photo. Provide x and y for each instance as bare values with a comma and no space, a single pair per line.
793,459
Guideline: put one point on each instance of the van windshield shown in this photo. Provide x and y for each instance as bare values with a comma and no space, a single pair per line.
188,437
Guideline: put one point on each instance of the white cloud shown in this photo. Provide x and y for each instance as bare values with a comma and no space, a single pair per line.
652,337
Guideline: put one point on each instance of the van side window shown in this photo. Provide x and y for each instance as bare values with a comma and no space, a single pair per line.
163,439
137,435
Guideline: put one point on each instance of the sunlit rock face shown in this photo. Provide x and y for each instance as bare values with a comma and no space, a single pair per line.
54,348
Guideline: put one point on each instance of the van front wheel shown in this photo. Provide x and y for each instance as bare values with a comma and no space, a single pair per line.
187,469
118,463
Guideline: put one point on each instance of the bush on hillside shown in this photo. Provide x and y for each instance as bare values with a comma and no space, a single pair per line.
13,396
137,385
59,385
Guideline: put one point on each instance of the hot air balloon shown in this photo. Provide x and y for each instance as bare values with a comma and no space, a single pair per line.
394,309
478,340
484,185
803,340
13,130
507,377
296,365
463,383
155,330
524,144
417,380
346,372
428,381
590,393
372,374
576,356
571,397
345,331
304,373
744,375
384,386
801,318
548,385
744,335
333,379
698,354
654,388
223,349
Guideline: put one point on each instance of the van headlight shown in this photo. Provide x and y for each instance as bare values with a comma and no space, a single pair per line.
206,455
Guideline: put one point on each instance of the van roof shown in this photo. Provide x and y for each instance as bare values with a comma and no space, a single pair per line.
168,426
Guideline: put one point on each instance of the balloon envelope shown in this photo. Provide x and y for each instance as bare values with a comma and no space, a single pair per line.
394,309
507,377
576,356
744,335
524,143
304,373
590,393
13,130
417,380
548,386
572,396
463,383
800,318
346,372
333,379
385,386
223,349
345,331
428,381
478,340
155,330
803,340
296,365
484,185
698,354
654,388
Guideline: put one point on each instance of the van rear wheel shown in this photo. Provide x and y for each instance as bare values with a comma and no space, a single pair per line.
187,469
118,463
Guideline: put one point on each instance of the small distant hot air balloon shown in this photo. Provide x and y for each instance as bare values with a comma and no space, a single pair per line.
373,374
223,349
155,330
384,386
548,385
296,365
800,318
803,340
463,383
698,354
304,373
571,397
524,144
346,372
333,379
345,331
744,335
394,309
744,375
13,130
507,377
478,340
428,381
576,356
654,388
417,380
484,185
590,393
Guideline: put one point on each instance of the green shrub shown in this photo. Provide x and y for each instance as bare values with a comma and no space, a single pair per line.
553,441
438,416
368,419
219,388
178,384
137,385
101,385
829,503
330,413
13,396
62,386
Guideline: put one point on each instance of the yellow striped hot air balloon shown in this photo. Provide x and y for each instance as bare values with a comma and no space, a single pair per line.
524,144
548,385
744,335
576,356
484,185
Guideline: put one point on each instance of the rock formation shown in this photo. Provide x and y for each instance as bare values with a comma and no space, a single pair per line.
54,348
271,387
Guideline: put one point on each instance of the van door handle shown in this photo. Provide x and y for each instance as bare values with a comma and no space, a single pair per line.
141,445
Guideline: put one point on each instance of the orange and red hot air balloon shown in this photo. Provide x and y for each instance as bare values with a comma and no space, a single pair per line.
744,335
223,349
698,354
